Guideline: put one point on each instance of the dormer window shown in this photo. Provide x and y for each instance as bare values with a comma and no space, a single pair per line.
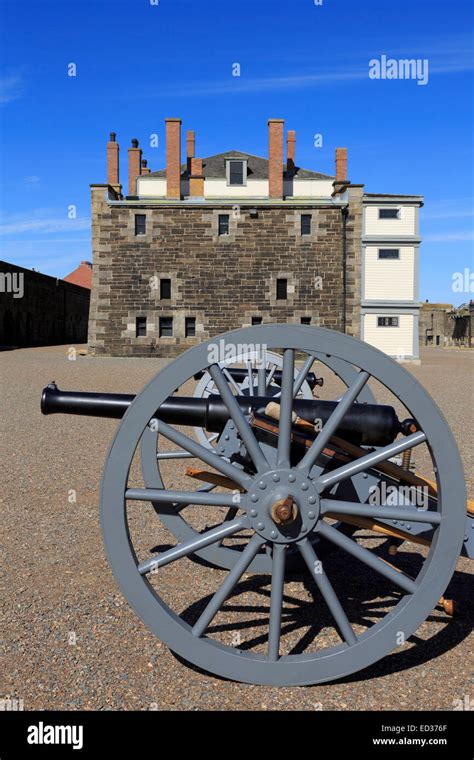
236,171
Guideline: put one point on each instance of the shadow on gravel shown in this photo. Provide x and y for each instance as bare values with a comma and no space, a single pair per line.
366,599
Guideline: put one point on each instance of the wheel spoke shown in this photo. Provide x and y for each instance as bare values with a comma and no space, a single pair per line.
370,460
327,592
333,422
209,456
246,433
381,512
276,600
301,377
174,455
261,381
193,545
227,586
270,377
366,556
286,408
250,377
231,380
203,489
159,496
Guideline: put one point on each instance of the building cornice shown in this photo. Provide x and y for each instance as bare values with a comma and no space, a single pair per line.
227,203
398,200
392,239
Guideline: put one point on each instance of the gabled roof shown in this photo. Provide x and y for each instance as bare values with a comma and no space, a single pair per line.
213,167
82,275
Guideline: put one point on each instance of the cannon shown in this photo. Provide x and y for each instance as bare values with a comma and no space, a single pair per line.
284,490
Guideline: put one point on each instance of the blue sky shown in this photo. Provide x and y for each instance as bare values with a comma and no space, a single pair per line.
138,62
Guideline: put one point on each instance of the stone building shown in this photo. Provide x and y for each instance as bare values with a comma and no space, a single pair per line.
211,244
442,324
39,310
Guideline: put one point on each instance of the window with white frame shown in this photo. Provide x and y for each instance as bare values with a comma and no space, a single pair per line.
236,171
389,253
387,321
389,213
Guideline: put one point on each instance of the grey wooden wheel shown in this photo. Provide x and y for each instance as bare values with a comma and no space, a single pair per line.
174,518
258,379
263,485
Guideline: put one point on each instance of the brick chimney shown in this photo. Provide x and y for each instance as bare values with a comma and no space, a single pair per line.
275,158
145,168
196,178
290,151
173,158
341,163
134,166
190,144
113,163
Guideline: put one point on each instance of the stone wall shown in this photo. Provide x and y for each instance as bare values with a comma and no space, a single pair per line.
221,281
439,328
38,310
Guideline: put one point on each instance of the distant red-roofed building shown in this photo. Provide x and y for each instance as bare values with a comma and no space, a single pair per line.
82,275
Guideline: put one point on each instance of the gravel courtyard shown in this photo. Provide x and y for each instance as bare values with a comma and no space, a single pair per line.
70,641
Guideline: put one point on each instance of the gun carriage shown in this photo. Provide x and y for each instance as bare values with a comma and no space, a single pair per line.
297,486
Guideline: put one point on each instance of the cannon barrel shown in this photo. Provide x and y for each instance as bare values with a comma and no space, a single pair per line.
368,424
239,374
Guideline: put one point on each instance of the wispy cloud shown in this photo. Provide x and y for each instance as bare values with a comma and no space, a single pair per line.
454,214
31,181
53,241
241,85
42,221
449,237
11,87
448,208
451,56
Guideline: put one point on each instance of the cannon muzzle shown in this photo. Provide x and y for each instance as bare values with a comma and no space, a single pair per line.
367,424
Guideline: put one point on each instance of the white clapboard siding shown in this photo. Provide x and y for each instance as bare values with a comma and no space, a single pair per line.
153,187
389,279
405,225
394,341
308,188
218,188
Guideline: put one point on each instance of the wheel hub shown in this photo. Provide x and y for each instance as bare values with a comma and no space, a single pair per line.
282,505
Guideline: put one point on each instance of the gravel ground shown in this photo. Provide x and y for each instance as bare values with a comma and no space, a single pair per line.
69,639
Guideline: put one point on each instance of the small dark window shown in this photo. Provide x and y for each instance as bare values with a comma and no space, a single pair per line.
190,327
165,289
236,172
389,213
389,253
282,288
306,224
223,224
140,224
140,327
256,320
387,321
166,327
305,320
